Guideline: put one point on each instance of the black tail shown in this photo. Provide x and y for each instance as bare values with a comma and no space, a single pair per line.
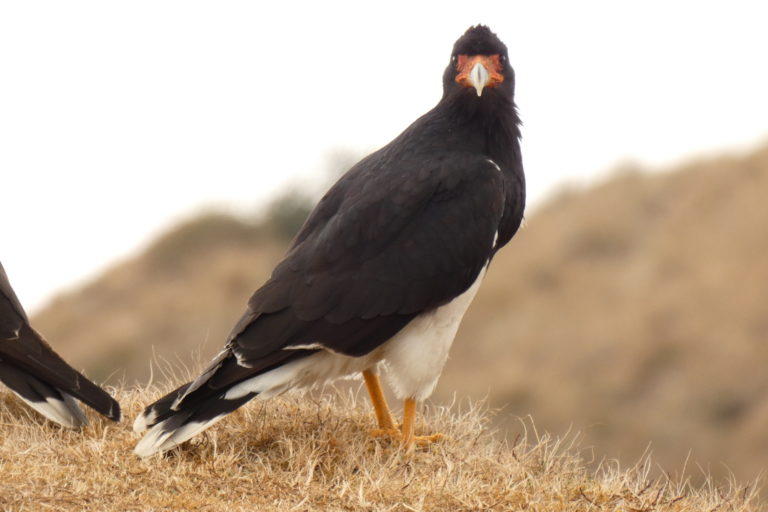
169,427
39,376
223,387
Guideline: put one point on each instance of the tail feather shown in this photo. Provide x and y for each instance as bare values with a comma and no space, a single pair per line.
222,388
169,428
158,411
31,355
49,401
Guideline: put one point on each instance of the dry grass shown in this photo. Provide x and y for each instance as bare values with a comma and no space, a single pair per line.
298,453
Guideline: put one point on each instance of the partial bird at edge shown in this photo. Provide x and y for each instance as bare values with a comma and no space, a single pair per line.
39,376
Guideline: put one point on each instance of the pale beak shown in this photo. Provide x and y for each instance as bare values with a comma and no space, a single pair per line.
479,72
479,77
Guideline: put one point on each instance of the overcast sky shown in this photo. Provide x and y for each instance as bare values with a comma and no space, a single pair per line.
119,118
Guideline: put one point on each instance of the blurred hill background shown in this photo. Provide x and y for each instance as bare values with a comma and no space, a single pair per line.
635,311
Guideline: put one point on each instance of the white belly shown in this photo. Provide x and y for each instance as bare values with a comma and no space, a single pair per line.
413,358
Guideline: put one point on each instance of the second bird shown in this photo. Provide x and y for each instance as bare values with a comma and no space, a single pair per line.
38,375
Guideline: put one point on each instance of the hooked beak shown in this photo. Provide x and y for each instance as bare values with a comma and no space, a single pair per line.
479,78
479,72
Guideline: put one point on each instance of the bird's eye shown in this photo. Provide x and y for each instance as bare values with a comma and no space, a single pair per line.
454,57
503,58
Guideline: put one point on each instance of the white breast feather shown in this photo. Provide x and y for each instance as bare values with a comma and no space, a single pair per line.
415,356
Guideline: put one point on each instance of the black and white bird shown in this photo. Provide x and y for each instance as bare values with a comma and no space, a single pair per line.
381,273
38,375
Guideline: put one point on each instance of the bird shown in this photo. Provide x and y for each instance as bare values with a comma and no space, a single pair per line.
39,376
381,273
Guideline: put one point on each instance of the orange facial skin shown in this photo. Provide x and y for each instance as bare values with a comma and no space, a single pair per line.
492,64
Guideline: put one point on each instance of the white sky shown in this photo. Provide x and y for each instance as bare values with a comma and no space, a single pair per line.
119,118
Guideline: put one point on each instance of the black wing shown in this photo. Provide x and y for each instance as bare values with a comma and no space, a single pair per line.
380,248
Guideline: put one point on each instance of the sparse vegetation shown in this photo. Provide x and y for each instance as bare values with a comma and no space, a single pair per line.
298,453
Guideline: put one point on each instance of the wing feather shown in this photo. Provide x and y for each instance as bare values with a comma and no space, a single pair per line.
408,244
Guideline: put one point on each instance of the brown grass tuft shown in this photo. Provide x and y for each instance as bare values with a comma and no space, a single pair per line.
303,453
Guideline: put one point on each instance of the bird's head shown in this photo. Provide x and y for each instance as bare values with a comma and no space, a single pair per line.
479,66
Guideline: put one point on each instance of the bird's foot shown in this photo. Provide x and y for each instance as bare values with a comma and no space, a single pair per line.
427,440
395,434
391,433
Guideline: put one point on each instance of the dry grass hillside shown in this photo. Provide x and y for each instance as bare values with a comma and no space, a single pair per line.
293,453
635,311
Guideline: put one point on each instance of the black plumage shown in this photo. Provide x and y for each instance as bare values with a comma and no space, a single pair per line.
404,232
39,376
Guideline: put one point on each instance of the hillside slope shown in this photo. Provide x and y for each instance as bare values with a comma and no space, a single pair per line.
635,311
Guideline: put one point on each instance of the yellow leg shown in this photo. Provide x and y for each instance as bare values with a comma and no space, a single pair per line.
409,419
406,433
380,407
